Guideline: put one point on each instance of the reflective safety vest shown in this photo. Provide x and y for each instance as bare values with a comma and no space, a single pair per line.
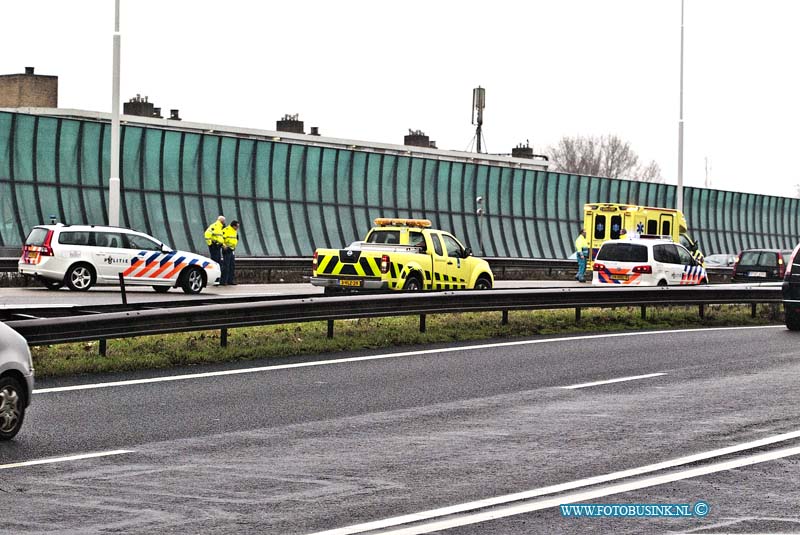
214,233
581,243
231,237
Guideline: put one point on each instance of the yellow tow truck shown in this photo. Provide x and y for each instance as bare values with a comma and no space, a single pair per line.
401,254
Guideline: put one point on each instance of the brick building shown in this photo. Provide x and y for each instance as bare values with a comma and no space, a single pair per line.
28,90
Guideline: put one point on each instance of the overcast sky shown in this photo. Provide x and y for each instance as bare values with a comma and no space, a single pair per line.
370,70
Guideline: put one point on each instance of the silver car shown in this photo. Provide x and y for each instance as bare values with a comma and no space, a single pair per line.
16,381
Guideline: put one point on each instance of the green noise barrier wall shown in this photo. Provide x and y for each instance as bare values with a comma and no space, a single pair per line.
291,197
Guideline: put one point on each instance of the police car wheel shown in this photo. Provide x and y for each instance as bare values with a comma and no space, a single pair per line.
161,289
12,407
193,281
412,284
80,277
662,282
483,284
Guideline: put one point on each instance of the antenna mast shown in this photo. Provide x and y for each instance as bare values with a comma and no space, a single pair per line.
478,103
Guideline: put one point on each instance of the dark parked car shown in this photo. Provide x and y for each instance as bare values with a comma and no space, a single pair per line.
791,292
759,265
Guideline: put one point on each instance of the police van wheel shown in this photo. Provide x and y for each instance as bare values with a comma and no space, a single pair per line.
161,289
662,282
483,284
12,407
412,284
80,277
193,281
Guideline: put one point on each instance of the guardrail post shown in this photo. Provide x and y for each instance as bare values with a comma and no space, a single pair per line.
223,337
577,314
103,347
422,318
122,289
644,312
505,318
702,310
752,310
330,329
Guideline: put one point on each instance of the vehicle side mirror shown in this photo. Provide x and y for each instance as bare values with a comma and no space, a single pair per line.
467,252
165,249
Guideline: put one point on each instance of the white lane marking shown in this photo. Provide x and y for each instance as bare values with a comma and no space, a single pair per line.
383,356
561,487
609,381
65,459
587,495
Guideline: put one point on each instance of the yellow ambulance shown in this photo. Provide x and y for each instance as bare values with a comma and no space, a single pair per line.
614,221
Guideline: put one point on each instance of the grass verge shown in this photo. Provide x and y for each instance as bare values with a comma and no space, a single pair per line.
250,343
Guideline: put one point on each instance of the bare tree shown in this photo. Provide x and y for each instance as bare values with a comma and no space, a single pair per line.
607,156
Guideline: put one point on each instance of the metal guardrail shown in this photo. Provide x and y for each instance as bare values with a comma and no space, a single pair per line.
224,316
9,265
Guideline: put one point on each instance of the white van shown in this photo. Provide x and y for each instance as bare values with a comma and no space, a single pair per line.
80,256
646,262
16,381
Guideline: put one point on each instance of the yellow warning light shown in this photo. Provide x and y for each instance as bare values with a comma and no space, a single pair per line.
401,222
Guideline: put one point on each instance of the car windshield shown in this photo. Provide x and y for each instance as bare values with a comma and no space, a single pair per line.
384,236
623,252
759,258
140,242
36,237
718,259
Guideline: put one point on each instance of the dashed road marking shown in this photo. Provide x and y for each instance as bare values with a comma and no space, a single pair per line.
69,458
609,381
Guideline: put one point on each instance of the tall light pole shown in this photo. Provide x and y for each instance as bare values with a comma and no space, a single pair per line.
113,181
679,193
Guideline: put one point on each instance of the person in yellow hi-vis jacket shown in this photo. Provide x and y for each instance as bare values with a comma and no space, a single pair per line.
230,235
214,239
582,248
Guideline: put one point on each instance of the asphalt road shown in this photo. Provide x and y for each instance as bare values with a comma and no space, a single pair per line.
315,445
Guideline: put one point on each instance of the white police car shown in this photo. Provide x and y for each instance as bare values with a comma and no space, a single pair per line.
80,256
646,262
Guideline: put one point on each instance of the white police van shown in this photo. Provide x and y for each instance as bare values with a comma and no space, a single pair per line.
646,262
80,256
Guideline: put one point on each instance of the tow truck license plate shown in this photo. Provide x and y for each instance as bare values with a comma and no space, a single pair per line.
619,277
349,282
757,274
